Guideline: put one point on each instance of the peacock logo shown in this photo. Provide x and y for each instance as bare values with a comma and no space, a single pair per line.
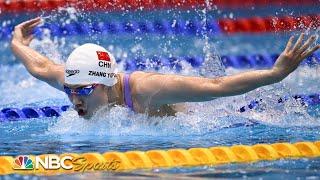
23,163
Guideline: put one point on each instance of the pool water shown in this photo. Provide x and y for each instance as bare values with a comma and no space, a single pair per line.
214,123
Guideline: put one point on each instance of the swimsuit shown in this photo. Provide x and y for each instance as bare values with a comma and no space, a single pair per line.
127,91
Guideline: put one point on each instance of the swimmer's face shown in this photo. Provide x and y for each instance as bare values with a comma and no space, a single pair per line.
86,105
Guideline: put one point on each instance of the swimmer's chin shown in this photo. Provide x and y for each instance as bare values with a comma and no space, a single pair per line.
86,116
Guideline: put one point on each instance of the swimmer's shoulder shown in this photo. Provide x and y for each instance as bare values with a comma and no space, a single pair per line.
136,80
140,77
139,83
141,74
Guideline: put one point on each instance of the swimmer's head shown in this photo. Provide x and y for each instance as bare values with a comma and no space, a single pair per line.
89,64
90,74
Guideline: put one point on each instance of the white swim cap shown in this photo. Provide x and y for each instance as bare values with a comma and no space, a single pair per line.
91,63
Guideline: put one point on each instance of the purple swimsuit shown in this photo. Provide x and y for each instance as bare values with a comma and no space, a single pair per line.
127,91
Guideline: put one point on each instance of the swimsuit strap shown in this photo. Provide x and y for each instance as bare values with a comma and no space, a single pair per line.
127,91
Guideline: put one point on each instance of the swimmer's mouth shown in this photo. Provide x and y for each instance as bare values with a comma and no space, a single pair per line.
81,112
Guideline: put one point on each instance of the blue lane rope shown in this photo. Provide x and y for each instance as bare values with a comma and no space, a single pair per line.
255,61
162,27
16,114
235,61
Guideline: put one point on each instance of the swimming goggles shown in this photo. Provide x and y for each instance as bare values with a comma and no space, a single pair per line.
82,91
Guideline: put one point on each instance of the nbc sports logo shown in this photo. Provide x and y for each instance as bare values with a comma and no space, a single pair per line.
54,162
46,162
23,163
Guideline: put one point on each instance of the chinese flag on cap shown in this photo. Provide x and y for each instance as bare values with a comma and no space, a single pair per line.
103,56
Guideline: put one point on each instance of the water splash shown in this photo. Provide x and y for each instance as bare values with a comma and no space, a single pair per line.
18,87
120,121
201,118
212,66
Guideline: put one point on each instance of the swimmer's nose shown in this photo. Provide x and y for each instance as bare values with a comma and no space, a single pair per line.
75,99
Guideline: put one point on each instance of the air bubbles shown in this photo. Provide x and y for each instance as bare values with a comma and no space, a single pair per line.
174,22
215,7
71,11
231,16
5,23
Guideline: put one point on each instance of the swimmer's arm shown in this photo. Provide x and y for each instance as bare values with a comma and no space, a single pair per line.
37,65
169,89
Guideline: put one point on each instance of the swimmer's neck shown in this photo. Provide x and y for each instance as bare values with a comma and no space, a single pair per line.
115,93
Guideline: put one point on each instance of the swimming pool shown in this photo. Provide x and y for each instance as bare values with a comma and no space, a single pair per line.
215,123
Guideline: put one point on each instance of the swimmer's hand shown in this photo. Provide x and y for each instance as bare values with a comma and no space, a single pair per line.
23,32
38,65
291,57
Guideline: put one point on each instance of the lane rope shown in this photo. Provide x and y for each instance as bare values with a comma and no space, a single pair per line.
23,6
17,114
193,27
169,158
253,61
234,61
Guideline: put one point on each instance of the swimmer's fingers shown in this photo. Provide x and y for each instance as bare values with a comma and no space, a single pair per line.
307,44
289,44
29,22
298,43
32,26
308,53
28,29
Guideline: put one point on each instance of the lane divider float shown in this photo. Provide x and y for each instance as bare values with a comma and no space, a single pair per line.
178,26
234,61
16,114
22,6
158,158
255,61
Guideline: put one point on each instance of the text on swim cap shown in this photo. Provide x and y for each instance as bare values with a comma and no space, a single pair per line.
101,74
104,64
72,72
104,56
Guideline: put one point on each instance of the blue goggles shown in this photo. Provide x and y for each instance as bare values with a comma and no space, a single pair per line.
82,91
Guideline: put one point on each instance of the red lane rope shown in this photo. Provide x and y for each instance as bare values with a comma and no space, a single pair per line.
269,24
118,5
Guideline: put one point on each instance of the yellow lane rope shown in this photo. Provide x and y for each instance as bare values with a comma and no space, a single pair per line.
132,160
